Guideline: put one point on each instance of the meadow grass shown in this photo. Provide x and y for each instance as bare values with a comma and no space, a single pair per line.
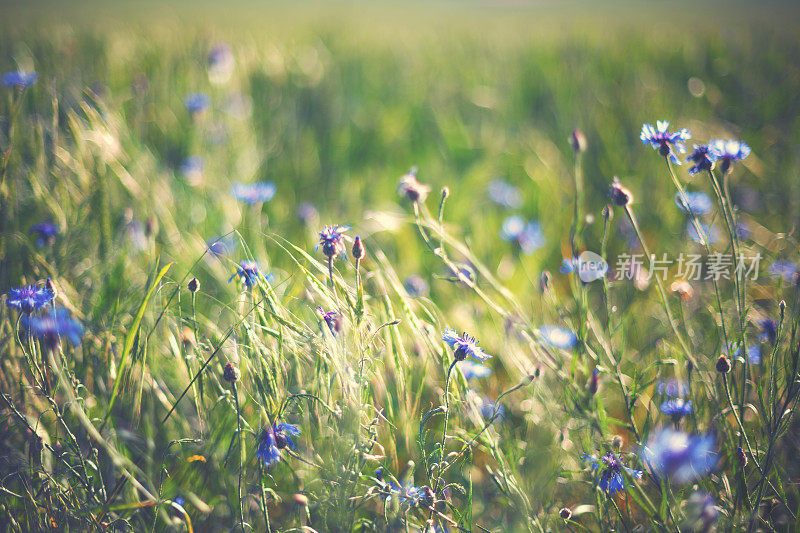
167,412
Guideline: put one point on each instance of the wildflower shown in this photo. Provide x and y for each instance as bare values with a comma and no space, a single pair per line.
709,233
273,439
411,188
769,330
472,370
676,408
51,327
616,442
785,269
358,249
196,103
491,410
743,230
701,159
504,194
594,382
578,141
723,365
307,213
727,152
19,79
620,195
611,479
702,512
249,272
666,142
334,320
682,289
565,513
46,232
30,298
220,63
679,456
222,245
332,240
528,235
416,286
753,354
558,337
254,193
464,346
192,169
607,212
193,285
672,388
698,203
231,373
569,265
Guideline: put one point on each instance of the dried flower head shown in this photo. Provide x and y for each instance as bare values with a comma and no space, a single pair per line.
411,188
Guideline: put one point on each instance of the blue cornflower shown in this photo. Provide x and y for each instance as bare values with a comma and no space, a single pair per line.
743,230
248,272
699,202
19,79
666,142
569,265
727,152
333,319
220,63
253,193
332,240
30,298
46,232
676,408
416,286
701,159
769,330
222,245
753,353
464,346
192,169
52,326
307,213
672,388
611,479
528,235
273,439
785,269
559,337
472,370
196,102
489,409
504,194
679,456
702,511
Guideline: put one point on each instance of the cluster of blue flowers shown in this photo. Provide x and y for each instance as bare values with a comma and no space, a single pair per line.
527,235
254,193
610,469
273,440
19,79
674,405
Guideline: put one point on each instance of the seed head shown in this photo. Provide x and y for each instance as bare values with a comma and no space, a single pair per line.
194,285
358,249
741,456
608,213
723,365
231,374
578,141
620,195
565,513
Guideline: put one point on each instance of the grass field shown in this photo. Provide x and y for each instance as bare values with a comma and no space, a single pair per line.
153,398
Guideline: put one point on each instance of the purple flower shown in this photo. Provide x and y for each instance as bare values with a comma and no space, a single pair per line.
192,169
727,152
504,194
472,370
672,388
220,63
610,468
248,272
273,440
710,232
753,353
416,286
253,193
528,235
676,408
222,245
490,409
702,511
464,346
701,159
679,456
699,203
666,142
333,319
29,298
558,337
46,232
769,330
307,213
332,240
19,79
196,103
52,326
785,269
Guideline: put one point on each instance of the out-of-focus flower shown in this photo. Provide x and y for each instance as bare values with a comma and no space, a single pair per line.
610,470
273,440
222,245
672,388
220,63
411,188
769,330
701,513
682,289
192,169
463,346
743,230
248,272
254,193
594,382
333,319
490,409
699,202
19,79
676,408
753,353
196,103
472,370
51,327
416,286
700,158
29,298
710,232
307,214
679,456
558,337
578,141
504,194
666,142
569,265
46,233
727,153
528,235
332,240
785,269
